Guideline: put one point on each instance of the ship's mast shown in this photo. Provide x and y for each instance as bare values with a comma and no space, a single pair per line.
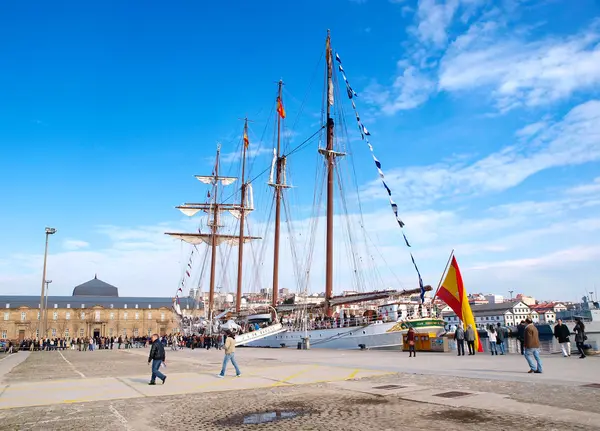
330,156
213,208
213,240
278,187
238,301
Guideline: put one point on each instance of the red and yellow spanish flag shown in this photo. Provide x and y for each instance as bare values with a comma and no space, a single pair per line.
246,140
280,109
453,293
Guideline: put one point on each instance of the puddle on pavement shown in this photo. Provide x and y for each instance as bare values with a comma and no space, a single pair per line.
263,418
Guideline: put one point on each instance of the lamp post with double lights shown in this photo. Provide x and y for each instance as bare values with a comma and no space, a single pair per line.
42,326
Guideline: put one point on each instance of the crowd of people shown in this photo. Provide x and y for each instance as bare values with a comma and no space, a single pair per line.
88,343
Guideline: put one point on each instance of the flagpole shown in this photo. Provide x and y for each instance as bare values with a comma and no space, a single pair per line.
443,274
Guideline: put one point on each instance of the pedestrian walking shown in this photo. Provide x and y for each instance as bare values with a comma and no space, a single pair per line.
521,336
580,336
470,338
157,357
410,337
229,356
562,333
493,340
501,336
532,347
459,336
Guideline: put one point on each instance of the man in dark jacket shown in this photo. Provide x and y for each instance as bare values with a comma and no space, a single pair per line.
459,336
521,335
561,332
157,357
500,338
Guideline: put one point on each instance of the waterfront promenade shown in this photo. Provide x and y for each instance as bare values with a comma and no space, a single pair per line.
316,389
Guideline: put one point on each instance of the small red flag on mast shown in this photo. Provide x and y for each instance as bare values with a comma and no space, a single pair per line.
280,109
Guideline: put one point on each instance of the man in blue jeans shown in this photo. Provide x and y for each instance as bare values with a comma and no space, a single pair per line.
532,347
157,357
229,356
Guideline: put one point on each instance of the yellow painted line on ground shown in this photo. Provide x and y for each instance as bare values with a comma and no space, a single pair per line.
299,373
354,373
347,378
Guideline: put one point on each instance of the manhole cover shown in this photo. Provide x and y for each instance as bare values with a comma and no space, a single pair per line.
452,394
267,359
592,385
389,387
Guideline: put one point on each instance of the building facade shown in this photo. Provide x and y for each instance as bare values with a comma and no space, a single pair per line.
507,314
94,309
494,299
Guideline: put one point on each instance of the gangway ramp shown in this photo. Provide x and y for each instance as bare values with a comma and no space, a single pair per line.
259,334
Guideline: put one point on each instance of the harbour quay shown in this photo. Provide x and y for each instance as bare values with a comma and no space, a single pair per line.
317,389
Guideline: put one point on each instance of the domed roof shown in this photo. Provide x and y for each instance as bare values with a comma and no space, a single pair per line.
95,287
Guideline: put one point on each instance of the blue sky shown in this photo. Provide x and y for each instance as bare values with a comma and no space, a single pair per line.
485,115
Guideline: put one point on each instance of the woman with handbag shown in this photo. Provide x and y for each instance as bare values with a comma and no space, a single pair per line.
580,336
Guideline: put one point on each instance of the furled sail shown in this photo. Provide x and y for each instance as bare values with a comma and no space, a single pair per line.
212,179
200,238
191,210
250,197
188,211
273,166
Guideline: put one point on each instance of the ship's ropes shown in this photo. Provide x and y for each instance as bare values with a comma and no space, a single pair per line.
363,253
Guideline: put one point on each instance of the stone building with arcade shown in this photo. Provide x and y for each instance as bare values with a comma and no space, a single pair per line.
94,309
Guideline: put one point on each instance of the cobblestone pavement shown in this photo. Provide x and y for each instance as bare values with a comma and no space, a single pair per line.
322,406
316,407
574,397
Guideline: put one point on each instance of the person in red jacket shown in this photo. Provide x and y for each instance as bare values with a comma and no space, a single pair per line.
410,337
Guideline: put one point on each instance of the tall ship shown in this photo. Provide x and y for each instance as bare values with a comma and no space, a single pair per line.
360,319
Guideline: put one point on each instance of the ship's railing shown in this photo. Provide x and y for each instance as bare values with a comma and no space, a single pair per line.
334,323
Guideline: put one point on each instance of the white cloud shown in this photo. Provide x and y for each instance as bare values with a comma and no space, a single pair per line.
74,244
586,189
434,17
532,129
415,80
520,72
555,260
524,236
411,89
492,54
572,141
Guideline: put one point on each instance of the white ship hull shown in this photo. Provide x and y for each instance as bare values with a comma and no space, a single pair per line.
373,336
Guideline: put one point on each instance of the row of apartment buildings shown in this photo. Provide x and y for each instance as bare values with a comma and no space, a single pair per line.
507,313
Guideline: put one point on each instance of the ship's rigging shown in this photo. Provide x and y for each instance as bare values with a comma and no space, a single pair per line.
302,241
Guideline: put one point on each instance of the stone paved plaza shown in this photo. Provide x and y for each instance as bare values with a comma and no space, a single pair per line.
304,390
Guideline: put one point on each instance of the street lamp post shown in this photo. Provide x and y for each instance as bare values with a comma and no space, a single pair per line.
41,326
46,307
511,292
